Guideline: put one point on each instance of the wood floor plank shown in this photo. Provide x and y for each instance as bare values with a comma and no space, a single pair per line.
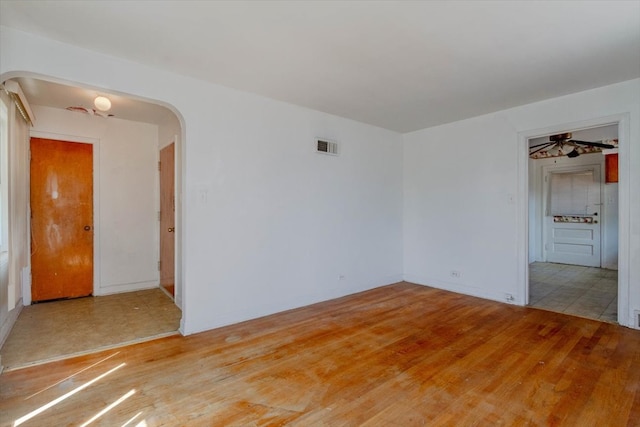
400,355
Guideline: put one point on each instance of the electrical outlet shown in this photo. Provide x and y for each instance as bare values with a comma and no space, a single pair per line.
509,297
456,274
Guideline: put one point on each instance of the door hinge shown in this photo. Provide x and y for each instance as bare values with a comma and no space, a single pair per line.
159,166
159,265
159,217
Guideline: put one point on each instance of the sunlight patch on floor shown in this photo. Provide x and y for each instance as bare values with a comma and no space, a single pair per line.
54,402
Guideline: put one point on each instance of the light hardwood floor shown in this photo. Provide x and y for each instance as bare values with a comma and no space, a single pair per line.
400,355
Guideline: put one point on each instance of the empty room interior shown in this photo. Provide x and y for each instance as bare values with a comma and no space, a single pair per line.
319,213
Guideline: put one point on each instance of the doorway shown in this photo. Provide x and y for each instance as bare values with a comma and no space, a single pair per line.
116,143
167,219
61,198
573,229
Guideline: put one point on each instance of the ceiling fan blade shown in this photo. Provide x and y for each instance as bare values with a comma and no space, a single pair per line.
540,147
593,144
544,143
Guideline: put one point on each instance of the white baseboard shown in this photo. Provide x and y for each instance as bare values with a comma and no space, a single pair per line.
25,280
464,289
125,287
259,309
7,325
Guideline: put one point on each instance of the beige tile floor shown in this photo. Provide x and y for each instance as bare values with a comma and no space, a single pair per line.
58,329
581,291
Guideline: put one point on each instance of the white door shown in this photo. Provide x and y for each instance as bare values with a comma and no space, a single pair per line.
572,215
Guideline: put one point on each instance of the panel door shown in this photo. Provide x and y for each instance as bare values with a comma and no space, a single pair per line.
572,235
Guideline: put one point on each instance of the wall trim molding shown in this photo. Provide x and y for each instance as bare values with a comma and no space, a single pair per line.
125,287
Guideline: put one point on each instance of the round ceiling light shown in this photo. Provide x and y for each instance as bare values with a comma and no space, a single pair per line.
102,103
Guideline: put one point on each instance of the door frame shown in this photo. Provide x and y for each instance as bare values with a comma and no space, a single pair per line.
161,216
624,200
548,170
26,291
179,226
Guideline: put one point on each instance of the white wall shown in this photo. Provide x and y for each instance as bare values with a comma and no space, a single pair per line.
126,226
462,194
268,223
609,212
459,207
271,224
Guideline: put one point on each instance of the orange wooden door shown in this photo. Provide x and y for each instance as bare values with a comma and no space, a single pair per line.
167,218
611,168
61,219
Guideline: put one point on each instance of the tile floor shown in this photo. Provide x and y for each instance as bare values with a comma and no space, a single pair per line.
58,329
581,291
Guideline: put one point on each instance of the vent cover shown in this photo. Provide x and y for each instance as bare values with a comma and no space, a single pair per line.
326,147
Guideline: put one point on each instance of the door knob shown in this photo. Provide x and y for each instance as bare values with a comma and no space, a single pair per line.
171,229
87,228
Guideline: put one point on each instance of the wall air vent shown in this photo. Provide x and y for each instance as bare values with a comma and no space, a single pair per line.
326,147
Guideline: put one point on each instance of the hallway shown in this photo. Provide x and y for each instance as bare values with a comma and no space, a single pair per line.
56,330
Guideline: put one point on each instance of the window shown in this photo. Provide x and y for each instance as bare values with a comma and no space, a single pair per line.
573,193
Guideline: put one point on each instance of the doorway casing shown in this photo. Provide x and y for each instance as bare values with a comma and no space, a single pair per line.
622,120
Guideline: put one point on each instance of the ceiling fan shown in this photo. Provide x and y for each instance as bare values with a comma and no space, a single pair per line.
565,145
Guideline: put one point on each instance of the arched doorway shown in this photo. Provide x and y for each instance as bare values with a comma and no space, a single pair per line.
126,178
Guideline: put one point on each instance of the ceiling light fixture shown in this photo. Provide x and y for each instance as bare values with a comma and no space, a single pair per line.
102,103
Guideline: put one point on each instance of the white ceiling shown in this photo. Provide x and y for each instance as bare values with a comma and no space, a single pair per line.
399,65
50,94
